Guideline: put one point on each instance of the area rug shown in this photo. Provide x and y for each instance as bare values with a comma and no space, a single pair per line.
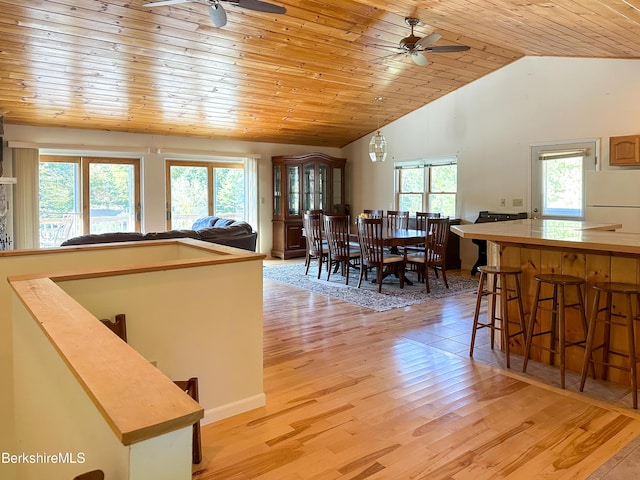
367,296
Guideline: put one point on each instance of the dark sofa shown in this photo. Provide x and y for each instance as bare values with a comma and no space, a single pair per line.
223,231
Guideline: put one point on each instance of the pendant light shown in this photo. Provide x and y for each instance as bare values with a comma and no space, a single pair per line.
378,144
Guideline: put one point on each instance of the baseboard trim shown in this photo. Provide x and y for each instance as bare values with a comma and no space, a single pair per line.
234,408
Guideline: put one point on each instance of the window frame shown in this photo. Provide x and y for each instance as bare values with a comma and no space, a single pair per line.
86,165
427,164
210,166
591,148
399,192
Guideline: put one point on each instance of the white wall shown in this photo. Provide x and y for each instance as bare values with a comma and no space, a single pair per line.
153,167
55,416
49,401
491,123
191,322
233,287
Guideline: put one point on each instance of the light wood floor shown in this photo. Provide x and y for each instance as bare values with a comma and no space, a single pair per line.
356,394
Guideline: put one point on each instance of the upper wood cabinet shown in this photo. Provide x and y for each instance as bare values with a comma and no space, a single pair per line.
314,181
624,151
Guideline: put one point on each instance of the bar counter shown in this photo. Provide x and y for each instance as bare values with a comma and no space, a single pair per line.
593,251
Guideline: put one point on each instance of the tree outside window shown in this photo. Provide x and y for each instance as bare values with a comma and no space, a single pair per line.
424,187
198,189
562,187
79,195
443,185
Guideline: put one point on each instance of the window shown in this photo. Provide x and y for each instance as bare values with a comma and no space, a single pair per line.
442,188
79,195
411,189
558,179
196,189
428,185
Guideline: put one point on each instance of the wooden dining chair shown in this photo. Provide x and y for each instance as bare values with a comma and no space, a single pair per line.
316,247
397,219
421,219
434,256
373,254
343,253
421,224
373,213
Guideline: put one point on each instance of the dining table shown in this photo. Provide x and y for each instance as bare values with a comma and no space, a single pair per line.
402,237
395,237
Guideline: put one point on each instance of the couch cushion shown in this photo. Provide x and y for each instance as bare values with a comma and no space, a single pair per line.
223,222
171,234
204,222
233,230
104,238
211,221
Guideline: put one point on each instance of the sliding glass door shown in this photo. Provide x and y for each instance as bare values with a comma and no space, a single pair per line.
81,195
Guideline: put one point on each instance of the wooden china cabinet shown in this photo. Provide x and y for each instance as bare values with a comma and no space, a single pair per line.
313,181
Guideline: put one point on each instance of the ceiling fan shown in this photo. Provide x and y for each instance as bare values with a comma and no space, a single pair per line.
415,47
217,13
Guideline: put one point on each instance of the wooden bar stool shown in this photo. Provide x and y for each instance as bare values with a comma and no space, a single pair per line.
558,309
496,278
609,288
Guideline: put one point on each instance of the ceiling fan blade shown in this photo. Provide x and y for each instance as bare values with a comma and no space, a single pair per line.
389,47
217,14
259,6
428,40
447,48
419,59
386,58
165,3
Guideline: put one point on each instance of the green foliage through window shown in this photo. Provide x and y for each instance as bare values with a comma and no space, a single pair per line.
111,206
428,189
57,192
192,197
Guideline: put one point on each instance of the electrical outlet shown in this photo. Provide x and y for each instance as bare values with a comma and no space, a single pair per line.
517,202
503,202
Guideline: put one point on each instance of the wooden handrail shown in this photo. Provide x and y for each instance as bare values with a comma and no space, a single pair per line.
135,398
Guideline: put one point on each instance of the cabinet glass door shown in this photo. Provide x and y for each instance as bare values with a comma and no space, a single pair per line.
308,201
294,190
338,207
323,193
277,190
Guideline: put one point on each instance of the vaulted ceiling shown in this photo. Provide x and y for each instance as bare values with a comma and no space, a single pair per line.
310,76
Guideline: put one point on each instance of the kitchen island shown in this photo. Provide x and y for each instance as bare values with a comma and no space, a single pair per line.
593,251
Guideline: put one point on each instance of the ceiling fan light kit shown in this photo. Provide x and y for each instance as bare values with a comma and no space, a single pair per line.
217,13
378,144
416,47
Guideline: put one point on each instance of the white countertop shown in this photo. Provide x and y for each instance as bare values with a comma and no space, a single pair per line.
554,233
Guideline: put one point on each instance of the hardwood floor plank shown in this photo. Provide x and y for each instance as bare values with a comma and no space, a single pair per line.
357,394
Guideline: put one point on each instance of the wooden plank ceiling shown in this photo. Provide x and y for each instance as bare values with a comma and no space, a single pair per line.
308,77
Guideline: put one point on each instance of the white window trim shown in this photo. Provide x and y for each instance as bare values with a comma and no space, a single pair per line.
535,149
425,162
